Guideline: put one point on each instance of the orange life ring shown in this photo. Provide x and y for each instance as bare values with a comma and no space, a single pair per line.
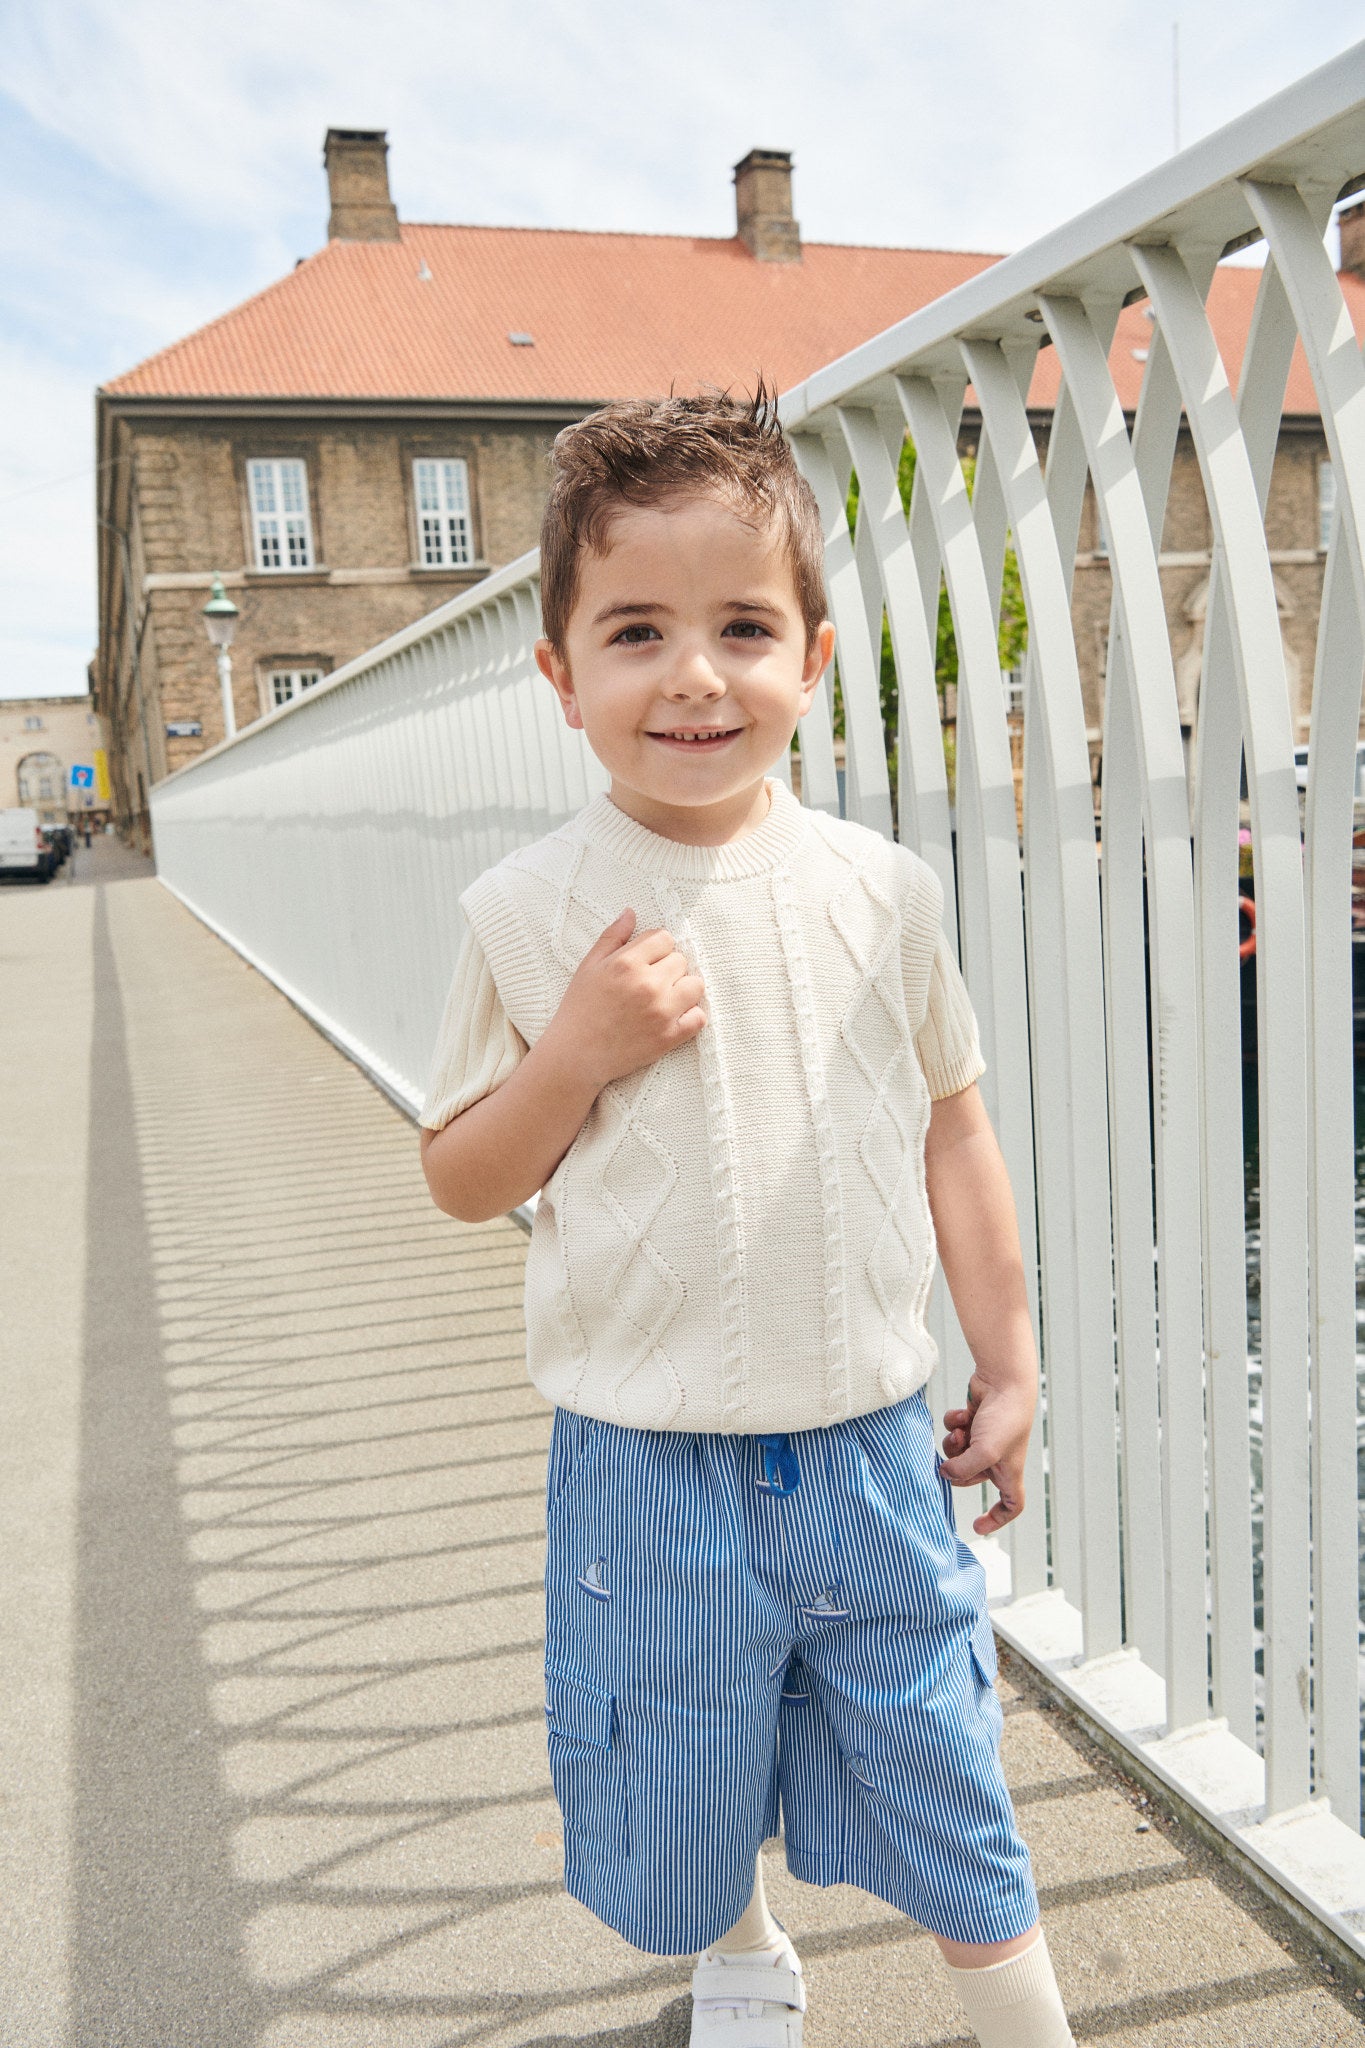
1247,906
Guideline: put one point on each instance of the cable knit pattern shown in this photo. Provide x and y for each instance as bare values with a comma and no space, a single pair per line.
873,1029
739,1237
730,1261
826,1149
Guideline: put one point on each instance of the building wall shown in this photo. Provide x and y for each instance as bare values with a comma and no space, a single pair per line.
178,504
67,728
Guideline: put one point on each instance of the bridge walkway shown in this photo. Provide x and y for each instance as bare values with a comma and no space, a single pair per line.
271,1491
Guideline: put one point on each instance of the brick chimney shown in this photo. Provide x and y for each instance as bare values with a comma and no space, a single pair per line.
763,206
1352,225
356,160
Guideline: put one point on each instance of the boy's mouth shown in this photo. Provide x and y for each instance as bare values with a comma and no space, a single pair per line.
706,740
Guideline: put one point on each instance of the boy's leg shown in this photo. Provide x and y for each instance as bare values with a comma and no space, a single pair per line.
664,1663
1010,1999
732,1971
755,1928
890,1771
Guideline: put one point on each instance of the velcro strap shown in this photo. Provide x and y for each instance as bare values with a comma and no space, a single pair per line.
774,1984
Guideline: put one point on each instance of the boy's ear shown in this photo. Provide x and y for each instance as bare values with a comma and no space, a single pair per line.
553,666
819,655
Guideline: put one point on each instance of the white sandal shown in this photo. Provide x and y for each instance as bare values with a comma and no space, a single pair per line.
759,2003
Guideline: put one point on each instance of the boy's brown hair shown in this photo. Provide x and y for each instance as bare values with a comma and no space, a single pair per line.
644,451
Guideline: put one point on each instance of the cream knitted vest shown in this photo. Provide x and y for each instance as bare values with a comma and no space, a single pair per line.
739,1238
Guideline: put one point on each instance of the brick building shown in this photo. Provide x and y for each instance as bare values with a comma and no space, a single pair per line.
367,437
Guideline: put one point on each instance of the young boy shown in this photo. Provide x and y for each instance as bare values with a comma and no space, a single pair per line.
724,1037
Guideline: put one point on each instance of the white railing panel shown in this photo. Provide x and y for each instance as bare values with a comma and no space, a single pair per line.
330,843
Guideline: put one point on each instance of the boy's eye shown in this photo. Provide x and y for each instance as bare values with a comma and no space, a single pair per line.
635,636
747,629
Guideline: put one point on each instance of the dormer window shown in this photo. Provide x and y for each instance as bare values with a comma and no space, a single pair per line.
441,492
281,530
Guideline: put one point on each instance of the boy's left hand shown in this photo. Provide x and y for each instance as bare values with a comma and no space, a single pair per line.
987,1440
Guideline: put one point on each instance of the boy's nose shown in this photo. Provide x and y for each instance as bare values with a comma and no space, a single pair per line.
693,676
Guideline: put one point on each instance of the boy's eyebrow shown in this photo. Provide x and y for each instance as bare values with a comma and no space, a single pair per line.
641,610
630,611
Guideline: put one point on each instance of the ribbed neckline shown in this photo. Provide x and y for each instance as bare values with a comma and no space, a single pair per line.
605,824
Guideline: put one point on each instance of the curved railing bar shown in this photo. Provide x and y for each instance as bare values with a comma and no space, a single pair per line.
1126,1052
1265,368
1258,663
990,901
873,445
1066,996
869,786
922,782
1292,222
1170,903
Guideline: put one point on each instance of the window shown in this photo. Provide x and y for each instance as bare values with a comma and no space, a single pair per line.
281,531
441,490
33,725
1327,502
1013,680
288,683
42,779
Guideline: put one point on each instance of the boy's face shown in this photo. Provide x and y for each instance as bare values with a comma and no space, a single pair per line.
689,622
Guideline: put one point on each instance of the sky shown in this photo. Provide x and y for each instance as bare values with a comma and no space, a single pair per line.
161,159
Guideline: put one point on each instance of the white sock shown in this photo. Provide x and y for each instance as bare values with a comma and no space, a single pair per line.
1015,2004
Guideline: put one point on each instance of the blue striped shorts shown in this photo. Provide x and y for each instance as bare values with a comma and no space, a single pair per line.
739,1626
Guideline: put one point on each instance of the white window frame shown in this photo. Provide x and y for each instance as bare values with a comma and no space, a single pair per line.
281,521
285,684
441,502
1327,503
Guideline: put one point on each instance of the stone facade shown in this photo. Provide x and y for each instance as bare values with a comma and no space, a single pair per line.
176,513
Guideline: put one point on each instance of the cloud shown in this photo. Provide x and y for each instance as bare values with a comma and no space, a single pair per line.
159,167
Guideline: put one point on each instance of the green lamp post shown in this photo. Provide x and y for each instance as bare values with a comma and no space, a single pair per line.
220,617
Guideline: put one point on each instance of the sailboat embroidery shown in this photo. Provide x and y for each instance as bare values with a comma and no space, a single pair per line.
592,1581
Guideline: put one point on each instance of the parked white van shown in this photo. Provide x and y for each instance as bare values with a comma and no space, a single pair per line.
23,850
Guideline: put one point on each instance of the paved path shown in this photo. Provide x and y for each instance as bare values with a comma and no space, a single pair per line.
270,1505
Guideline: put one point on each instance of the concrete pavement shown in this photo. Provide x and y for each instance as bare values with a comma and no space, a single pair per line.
272,1742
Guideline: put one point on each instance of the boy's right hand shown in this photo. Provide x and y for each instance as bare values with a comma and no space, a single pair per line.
630,1001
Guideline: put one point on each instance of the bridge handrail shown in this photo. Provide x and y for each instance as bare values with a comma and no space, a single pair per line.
330,841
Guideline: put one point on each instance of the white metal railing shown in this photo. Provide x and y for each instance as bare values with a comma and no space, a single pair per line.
329,844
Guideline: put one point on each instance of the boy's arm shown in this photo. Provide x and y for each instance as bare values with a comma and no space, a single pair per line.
978,1243
629,1002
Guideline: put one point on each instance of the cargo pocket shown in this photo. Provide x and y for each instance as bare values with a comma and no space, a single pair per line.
586,1770
984,1671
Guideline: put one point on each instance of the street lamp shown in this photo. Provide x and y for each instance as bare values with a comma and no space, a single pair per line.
220,616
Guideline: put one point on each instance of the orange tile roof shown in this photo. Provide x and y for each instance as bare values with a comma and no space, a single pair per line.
610,315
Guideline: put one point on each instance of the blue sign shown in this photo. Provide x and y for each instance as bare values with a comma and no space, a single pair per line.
82,778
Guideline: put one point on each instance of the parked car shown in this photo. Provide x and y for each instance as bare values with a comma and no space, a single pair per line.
23,850
59,842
